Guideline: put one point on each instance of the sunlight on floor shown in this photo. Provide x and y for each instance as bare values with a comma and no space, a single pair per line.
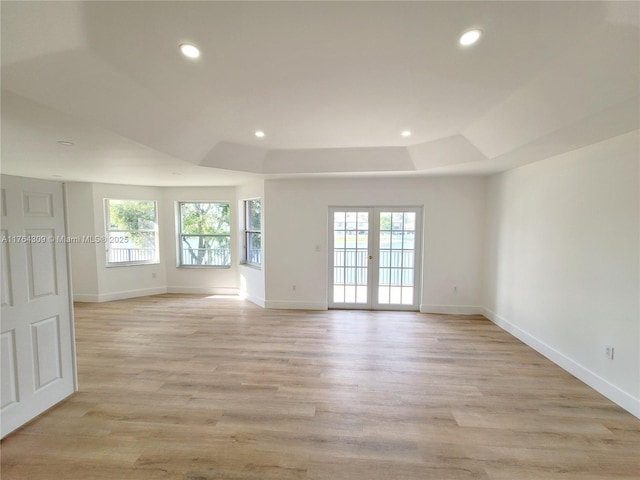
236,297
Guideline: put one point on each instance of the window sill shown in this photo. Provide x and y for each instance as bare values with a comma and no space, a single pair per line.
251,265
198,267
131,264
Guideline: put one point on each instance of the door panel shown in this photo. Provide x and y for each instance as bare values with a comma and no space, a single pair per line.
9,392
38,362
41,264
6,298
397,268
46,351
375,258
350,263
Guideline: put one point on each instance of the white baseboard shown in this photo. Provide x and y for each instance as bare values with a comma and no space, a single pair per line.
85,297
288,305
108,297
613,393
452,309
258,301
204,290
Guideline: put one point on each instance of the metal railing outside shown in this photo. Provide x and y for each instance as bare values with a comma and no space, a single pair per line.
126,255
206,256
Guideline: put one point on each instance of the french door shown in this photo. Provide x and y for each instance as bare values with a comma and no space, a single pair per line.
375,258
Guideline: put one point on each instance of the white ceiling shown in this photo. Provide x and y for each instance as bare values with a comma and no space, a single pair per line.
331,83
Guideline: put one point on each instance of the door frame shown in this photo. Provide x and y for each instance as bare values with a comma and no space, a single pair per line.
374,250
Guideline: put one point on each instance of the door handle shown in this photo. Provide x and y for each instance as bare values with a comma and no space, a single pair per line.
370,257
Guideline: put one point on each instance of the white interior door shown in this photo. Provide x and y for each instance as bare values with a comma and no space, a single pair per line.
375,258
36,347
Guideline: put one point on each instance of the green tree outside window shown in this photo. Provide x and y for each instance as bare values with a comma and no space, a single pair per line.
205,234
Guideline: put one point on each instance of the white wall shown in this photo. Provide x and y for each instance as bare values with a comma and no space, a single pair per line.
295,224
295,216
80,221
93,281
562,262
131,280
196,279
251,278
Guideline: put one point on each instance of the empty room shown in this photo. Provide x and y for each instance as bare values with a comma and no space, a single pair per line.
320,240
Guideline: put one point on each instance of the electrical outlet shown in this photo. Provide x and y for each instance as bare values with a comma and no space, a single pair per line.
608,351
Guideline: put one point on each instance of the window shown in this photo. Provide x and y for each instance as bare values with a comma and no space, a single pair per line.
252,232
132,232
205,234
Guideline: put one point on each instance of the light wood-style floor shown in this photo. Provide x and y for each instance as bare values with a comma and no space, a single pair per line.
197,388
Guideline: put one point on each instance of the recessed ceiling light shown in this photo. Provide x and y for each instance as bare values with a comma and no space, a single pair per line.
65,143
470,37
406,133
189,50
56,176
259,133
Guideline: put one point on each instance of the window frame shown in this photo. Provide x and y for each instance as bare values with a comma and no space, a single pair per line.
248,230
108,231
179,244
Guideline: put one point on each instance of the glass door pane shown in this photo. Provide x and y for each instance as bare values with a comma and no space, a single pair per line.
350,258
397,255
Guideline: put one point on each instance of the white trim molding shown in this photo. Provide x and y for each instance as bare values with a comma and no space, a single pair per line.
108,297
613,393
89,298
452,309
204,290
255,300
287,305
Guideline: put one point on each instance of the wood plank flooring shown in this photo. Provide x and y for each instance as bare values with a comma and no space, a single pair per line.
199,388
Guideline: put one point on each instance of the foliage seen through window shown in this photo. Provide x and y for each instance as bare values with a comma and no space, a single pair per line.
132,230
205,234
253,232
